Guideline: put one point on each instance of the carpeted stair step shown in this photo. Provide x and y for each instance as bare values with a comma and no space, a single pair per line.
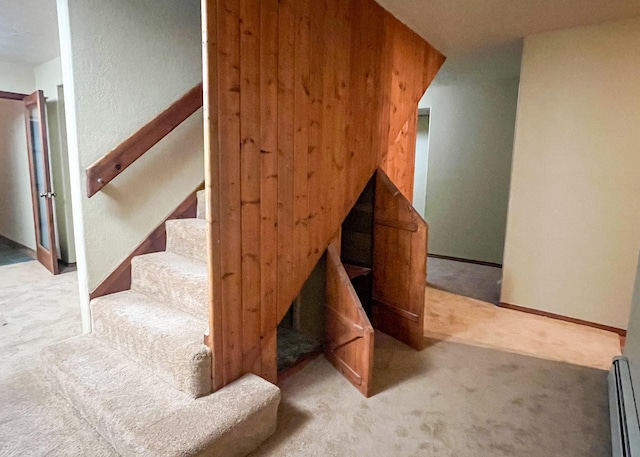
166,340
173,279
142,416
201,207
187,237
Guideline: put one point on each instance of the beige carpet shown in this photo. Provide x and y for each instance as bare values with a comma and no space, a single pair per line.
465,320
37,309
449,400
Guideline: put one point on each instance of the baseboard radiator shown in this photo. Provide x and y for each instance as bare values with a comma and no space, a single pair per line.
625,426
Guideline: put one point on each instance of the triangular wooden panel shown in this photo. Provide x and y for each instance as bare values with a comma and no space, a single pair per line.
349,335
399,265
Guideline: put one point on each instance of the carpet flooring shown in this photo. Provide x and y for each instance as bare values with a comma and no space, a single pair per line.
450,400
463,278
10,254
465,320
38,309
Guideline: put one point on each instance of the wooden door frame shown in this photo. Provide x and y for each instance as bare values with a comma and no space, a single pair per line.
12,96
48,258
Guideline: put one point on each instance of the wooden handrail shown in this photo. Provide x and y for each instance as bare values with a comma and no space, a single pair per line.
105,169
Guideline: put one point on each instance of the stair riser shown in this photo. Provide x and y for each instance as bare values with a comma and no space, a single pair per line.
187,367
73,393
188,293
187,238
140,416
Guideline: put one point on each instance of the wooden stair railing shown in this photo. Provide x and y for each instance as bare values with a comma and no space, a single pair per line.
105,169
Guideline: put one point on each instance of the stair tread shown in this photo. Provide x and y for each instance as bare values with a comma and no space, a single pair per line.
163,338
187,237
175,262
173,279
140,416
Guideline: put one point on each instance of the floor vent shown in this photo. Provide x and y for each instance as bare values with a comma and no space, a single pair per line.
625,427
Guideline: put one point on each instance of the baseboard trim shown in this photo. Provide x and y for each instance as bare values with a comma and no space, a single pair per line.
573,320
120,278
459,259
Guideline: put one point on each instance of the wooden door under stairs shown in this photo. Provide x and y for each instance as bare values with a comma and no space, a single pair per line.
375,273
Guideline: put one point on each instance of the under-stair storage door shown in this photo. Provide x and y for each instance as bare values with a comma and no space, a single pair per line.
399,265
349,334
41,192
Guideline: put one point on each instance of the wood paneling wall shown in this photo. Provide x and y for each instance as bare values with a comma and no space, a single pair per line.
302,99
412,68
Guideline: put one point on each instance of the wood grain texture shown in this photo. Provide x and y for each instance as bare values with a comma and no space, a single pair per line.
573,320
11,95
399,265
412,67
104,170
349,336
307,85
120,278
39,160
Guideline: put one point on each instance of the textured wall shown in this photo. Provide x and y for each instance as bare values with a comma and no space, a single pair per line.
16,78
572,232
123,63
130,61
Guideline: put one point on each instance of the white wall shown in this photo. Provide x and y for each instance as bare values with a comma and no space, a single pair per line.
470,147
422,164
573,229
16,78
16,216
123,63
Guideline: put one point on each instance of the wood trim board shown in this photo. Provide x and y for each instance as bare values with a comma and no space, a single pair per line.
459,259
573,320
104,170
12,95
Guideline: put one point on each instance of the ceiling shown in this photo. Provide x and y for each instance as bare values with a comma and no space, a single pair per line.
28,31
461,26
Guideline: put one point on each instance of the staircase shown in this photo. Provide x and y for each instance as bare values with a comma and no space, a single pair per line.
142,379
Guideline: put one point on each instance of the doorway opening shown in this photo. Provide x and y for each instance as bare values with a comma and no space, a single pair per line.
34,161
301,331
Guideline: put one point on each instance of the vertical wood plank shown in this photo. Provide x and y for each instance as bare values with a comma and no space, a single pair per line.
251,176
269,184
305,96
301,136
315,183
286,110
230,197
329,99
342,126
